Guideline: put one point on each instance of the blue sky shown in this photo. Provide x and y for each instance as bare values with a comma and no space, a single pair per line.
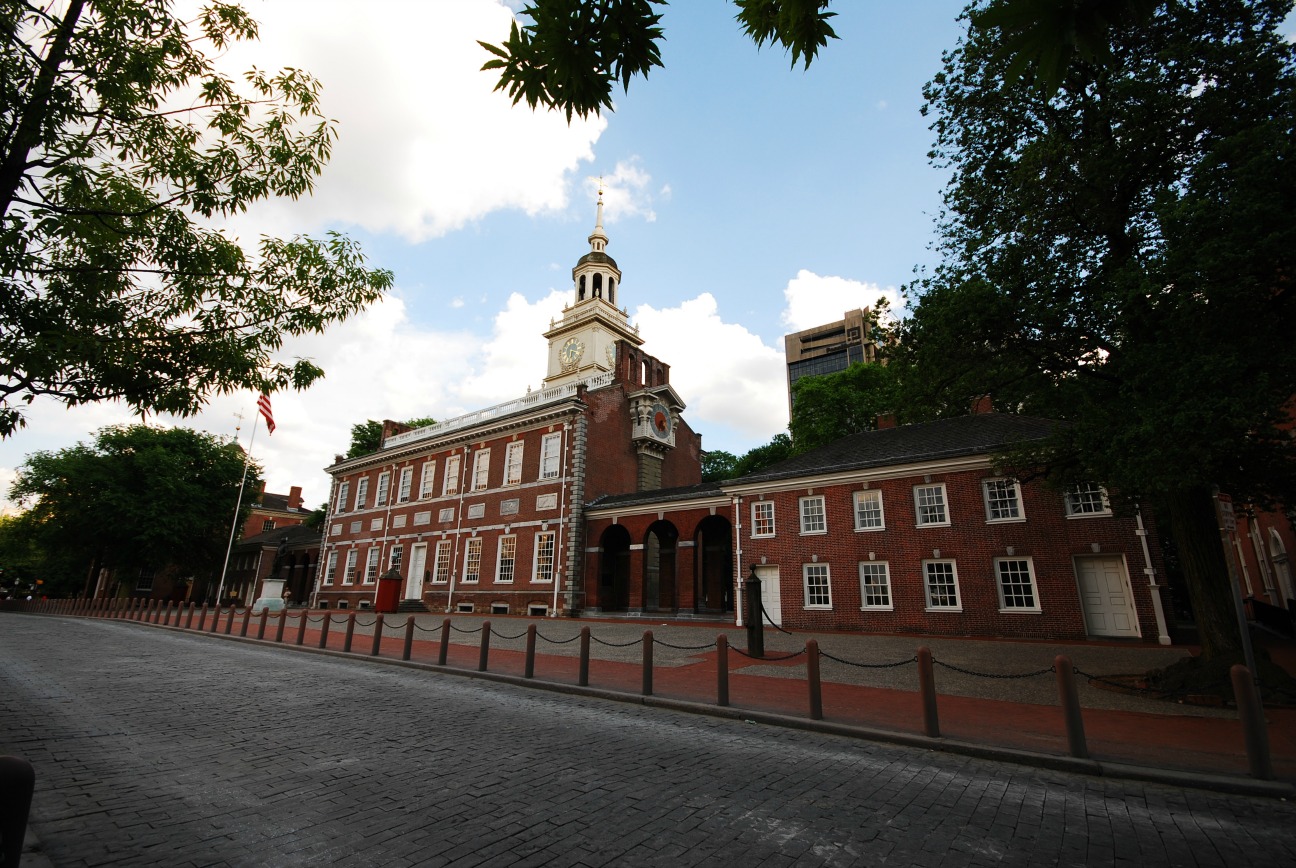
745,199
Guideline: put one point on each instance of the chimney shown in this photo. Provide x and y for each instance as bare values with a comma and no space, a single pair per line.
294,497
886,420
982,405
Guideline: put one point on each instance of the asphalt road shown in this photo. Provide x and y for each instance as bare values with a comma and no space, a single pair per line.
160,748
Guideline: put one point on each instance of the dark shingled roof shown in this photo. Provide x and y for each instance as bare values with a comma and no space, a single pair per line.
955,437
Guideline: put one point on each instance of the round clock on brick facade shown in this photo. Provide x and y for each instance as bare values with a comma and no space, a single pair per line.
571,353
659,421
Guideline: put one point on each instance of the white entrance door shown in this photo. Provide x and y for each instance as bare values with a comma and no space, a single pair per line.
417,561
770,597
1105,597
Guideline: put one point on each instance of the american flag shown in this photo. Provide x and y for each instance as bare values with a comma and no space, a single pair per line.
263,404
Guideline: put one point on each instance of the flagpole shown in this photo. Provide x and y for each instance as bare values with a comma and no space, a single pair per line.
247,461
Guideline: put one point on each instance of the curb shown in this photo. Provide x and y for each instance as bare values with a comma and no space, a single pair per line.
1211,781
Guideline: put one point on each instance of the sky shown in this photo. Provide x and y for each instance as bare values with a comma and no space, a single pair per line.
744,199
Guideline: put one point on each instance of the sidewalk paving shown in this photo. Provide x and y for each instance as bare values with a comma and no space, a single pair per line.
998,713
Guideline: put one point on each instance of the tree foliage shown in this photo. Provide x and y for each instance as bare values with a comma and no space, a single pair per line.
1120,254
828,407
137,497
366,436
120,147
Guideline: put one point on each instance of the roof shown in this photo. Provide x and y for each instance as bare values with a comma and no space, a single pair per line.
296,536
955,437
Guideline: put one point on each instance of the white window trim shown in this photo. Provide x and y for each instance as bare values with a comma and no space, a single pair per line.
773,531
805,587
1106,510
873,607
1030,569
855,502
958,592
1017,496
918,522
823,513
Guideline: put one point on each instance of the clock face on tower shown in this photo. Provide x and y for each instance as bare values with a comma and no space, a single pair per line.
571,353
659,421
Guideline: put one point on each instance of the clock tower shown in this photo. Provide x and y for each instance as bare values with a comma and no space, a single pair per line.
583,343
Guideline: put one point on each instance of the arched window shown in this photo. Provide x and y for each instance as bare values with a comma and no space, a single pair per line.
580,291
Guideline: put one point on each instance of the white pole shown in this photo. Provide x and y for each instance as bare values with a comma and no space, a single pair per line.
237,507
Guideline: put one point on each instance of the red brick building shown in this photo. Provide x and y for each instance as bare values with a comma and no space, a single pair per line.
485,512
905,530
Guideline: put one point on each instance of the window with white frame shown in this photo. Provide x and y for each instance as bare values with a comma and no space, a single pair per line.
395,558
1016,579
762,518
868,510
507,559
513,463
1002,500
406,483
426,479
330,569
544,557
481,470
384,484
818,589
472,560
362,492
441,562
1087,498
875,585
929,504
348,577
812,515
450,485
941,581
371,565
344,491
550,453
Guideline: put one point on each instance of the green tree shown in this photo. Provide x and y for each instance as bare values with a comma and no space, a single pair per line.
366,436
718,464
1120,255
571,54
137,497
830,406
119,146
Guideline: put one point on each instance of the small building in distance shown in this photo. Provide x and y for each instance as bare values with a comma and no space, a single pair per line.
829,348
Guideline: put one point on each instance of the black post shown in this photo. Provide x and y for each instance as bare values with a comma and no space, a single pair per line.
755,615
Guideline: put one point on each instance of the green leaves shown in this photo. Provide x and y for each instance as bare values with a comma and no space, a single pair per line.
124,141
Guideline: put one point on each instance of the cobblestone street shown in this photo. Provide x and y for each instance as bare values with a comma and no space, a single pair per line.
161,748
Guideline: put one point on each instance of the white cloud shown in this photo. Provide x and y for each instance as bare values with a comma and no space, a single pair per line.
734,385
813,299
424,146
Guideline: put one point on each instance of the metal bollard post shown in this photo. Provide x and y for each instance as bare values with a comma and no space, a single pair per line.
583,677
1254,730
529,671
812,678
261,624
17,783
350,632
1069,697
485,646
444,651
409,638
647,662
279,628
324,627
722,669
377,636
927,690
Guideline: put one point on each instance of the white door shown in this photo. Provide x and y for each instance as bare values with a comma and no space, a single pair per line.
770,597
1105,597
417,561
